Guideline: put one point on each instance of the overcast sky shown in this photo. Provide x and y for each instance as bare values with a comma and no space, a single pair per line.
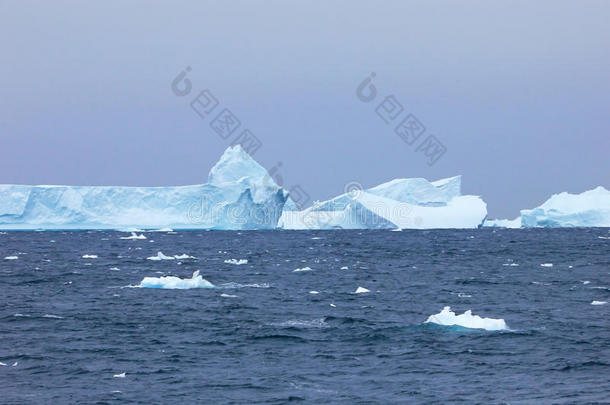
518,92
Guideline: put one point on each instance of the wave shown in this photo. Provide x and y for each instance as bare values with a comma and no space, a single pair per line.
161,256
466,320
302,269
134,236
172,282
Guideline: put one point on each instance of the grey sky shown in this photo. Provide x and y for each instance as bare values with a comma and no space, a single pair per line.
518,92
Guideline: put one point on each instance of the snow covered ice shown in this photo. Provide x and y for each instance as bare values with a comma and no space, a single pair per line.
172,282
398,204
466,320
239,195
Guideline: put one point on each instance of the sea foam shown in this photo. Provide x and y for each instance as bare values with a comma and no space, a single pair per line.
466,320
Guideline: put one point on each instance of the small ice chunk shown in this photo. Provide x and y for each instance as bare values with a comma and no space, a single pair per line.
361,290
344,268
11,258
301,269
89,256
599,302
236,262
228,296
184,256
160,256
122,375
448,318
172,282
546,265
333,305
314,292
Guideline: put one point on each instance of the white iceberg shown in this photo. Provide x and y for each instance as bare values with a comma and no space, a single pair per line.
239,194
466,320
398,204
588,209
172,282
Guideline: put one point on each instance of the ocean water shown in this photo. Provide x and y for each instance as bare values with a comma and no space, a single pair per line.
71,326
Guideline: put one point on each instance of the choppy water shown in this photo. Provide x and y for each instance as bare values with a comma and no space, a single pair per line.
260,336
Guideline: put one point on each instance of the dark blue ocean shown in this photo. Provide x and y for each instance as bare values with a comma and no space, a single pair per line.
71,326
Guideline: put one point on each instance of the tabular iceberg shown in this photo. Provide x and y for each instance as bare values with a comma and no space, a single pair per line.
588,209
401,203
240,194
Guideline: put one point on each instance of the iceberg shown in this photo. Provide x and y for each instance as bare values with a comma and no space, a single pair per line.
412,203
588,209
239,194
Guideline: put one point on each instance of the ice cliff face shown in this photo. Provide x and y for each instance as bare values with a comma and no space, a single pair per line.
239,195
401,203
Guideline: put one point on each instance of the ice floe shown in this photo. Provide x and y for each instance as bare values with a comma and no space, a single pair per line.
134,236
236,261
466,320
11,258
599,302
161,256
172,282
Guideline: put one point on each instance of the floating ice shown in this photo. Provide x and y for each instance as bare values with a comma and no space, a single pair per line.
172,282
122,375
314,292
296,323
599,302
134,236
301,269
228,296
89,256
161,256
236,262
11,258
344,268
361,290
503,223
546,265
448,318
2,364
115,269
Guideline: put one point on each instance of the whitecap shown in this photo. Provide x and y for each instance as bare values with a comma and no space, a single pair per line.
511,264
134,236
89,256
228,295
302,269
344,268
172,282
316,238
297,323
236,261
11,258
466,320
361,290
599,302
122,375
314,292
184,256
52,316
252,285
546,265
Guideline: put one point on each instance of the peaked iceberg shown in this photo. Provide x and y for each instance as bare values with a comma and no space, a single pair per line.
239,195
401,203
